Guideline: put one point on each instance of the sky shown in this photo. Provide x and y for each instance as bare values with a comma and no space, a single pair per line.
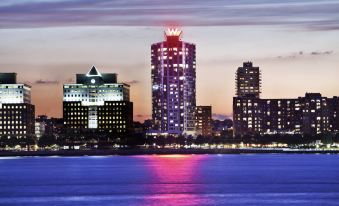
294,42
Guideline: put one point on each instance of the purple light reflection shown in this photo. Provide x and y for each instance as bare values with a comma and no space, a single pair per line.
176,180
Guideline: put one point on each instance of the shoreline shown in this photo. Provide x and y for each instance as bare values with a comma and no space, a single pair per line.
166,151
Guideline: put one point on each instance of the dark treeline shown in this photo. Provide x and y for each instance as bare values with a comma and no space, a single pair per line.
97,140
290,139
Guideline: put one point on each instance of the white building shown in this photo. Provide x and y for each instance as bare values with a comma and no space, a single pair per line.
16,110
97,101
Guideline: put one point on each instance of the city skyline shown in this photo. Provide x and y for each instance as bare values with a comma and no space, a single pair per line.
302,50
181,102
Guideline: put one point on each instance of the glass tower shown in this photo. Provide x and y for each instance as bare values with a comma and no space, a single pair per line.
173,67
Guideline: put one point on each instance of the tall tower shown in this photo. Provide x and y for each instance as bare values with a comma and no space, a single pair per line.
247,116
248,80
173,84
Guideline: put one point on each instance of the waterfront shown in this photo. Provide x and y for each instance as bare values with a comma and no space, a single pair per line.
251,179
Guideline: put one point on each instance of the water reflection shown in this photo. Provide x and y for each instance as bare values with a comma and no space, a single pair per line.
176,180
189,180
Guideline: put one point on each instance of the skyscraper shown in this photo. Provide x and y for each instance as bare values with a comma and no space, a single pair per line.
173,85
248,80
16,111
97,102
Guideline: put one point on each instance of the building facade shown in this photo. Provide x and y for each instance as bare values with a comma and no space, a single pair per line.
203,115
48,126
248,80
16,111
173,67
97,102
311,114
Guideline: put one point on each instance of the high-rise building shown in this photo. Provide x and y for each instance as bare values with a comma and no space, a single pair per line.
248,80
247,118
97,102
335,119
312,114
173,85
317,112
203,115
16,111
281,116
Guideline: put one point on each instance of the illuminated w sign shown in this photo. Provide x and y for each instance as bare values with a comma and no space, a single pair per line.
173,32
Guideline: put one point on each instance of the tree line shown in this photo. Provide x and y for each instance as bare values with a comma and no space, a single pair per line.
101,140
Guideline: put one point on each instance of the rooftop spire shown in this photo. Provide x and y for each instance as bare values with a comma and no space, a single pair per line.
93,72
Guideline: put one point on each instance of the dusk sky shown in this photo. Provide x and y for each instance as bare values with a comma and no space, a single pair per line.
294,42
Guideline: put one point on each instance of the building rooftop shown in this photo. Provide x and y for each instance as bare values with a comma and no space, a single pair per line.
8,78
99,78
93,72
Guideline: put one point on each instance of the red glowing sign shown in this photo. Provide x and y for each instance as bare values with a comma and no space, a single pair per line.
173,32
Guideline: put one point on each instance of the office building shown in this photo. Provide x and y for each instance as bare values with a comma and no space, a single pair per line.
309,115
16,111
173,67
312,114
203,115
335,119
97,102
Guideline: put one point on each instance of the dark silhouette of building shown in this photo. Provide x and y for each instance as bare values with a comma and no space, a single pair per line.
222,127
173,85
147,125
16,111
203,115
48,126
248,80
97,102
335,118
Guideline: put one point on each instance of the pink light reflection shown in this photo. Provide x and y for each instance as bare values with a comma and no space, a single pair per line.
175,180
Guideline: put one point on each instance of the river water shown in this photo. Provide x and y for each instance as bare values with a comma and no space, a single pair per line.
161,180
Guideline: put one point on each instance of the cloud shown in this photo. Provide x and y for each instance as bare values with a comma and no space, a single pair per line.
322,53
312,14
291,56
142,117
302,53
221,116
133,82
40,81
